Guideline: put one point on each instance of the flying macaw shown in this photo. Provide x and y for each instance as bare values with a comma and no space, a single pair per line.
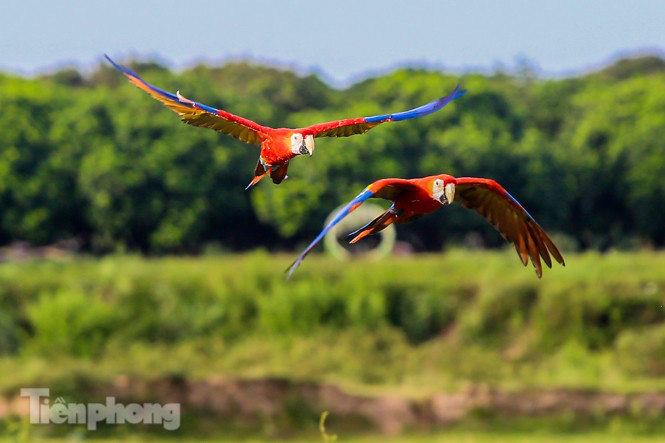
278,146
419,196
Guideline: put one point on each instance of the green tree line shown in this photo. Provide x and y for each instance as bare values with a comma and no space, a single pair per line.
91,157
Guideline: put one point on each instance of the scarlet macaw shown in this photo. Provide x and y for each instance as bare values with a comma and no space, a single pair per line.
419,196
278,146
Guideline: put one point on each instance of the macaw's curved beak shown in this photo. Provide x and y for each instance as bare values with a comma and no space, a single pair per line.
303,149
448,194
307,145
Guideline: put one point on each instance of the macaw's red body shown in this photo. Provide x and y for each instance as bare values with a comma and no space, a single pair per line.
420,196
278,146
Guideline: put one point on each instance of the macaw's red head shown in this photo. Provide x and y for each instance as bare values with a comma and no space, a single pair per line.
442,188
302,144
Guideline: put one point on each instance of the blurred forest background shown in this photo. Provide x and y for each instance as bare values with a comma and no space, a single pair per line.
465,339
91,157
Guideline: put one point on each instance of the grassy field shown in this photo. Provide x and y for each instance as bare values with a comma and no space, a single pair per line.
435,322
408,326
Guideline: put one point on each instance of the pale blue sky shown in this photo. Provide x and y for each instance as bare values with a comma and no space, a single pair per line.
344,39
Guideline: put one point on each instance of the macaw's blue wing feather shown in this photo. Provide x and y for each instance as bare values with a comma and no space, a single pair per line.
420,111
387,188
198,114
134,76
353,204
353,126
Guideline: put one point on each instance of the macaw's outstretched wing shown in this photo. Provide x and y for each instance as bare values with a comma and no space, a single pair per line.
388,188
514,223
353,126
198,114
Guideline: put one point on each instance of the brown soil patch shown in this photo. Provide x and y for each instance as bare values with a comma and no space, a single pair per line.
251,401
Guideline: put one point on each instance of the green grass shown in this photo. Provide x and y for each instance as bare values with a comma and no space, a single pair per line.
404,324
409,325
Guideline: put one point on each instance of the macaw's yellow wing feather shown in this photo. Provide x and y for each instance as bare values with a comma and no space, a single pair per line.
342,128
514,223
198,114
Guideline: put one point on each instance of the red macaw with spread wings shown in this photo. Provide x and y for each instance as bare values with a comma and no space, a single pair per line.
419,196
280,145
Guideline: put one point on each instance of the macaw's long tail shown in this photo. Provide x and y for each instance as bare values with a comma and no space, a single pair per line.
259,173
378,224
257,178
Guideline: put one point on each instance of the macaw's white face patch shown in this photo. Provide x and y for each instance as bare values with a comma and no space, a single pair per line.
443,193
296,143
302,145
437,189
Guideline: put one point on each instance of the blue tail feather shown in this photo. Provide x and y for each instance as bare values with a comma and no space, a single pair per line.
366,194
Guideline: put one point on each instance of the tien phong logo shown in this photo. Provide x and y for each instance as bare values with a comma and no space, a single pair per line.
45,411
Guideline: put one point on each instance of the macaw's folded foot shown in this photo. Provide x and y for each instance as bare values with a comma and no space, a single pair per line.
378,224
278,174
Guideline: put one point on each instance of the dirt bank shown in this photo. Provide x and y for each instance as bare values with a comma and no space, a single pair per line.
250,401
